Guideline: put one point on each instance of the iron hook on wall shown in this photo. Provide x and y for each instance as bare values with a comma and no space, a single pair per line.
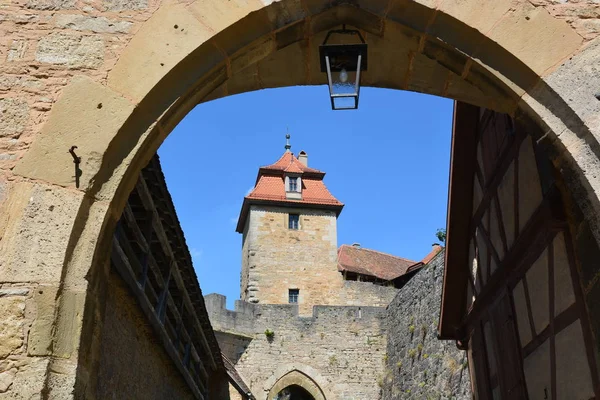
77,161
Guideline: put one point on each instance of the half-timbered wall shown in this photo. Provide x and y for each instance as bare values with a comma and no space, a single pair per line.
525,319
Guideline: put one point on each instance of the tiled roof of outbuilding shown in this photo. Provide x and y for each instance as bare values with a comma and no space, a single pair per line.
373,263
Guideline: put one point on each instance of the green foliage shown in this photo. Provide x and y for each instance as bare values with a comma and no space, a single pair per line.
441,235
411,329
425,355
269,333
420,347
399,364
412,353
332,360
421,384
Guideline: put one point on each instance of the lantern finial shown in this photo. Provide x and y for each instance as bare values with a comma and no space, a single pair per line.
288,146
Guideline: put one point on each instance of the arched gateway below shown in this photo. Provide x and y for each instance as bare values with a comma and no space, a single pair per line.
294,392
295,386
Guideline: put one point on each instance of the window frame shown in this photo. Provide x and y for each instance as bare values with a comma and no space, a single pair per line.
293,294
293,184
291,219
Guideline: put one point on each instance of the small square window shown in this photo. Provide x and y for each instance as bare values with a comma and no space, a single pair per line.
293,296
293,184
294,221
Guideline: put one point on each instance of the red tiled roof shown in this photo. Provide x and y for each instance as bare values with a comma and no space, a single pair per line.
434,251
374,263
270,187
289,163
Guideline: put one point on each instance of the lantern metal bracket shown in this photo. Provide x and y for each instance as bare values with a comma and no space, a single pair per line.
344,31
347,57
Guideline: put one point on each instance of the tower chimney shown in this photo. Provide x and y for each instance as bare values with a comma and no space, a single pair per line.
303,158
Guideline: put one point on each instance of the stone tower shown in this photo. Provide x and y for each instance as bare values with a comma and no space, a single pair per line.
289,227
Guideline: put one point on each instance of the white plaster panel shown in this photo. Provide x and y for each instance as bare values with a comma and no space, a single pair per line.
537,283
537,373
530,191
506,197
522,317
573,378
495,231
477,194
483,256
564,295
489,347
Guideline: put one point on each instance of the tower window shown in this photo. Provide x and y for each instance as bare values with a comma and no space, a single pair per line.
293,184
294,221
293,296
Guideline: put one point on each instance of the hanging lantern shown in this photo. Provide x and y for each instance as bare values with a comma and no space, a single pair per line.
343,64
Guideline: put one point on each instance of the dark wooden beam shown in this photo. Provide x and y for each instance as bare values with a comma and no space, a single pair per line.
460,206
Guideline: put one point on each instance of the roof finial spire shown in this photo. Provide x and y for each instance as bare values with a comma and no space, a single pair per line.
288,146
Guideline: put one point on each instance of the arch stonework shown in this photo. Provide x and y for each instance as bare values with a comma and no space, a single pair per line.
118,88
297,374
295,377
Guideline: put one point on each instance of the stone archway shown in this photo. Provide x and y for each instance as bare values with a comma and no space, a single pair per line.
296,378
516,58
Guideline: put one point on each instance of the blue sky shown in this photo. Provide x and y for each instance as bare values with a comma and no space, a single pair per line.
387,162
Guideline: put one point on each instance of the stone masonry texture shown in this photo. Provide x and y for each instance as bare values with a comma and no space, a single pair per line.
46,44
133,363
391,353
344,345
418,365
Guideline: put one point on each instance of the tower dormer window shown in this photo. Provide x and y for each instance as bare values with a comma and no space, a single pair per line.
293,187
293,184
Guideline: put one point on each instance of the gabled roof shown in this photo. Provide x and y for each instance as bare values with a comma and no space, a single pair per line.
436,248
270,188
373,263
289,163
380,265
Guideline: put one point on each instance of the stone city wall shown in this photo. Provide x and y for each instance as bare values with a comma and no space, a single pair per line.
418,365
341,348
133,362
355,293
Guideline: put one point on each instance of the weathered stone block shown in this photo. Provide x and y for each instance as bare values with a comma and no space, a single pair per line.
6,379
535,37
94,24
124,5
51,4
70,321
88,115
14,113
40,335
17,291
17,50
12,313
28,252
74,51
28,382
163,41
